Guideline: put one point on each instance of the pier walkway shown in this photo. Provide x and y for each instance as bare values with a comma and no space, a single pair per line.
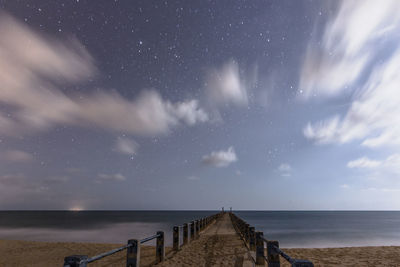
218,245
221,239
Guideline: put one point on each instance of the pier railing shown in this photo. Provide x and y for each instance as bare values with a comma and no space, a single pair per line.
255,241
133,245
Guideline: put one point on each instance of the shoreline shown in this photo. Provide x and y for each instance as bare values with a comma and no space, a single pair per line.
39,253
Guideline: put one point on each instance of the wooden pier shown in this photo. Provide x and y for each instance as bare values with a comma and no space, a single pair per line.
218,245
222,239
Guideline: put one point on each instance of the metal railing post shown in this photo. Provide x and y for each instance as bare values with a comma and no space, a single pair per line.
185,233
75,261
272,254
133,253
175,238
260,249
160,249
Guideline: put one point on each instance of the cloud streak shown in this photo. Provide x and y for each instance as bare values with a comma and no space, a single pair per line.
222,158
110,177
126,146
364,162
359,33
285,170
17,156
390,165
32,67
224,86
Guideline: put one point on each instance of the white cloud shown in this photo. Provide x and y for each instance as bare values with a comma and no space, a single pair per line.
360,31
345,186
126,146
33,65
394,190
220,158
224,86
16,156
348,42
189,112
148,114
110,177
285,169
364,162
374,115
381,168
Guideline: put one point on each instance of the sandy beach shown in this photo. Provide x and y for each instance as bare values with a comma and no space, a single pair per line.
28,253
49,254
349,256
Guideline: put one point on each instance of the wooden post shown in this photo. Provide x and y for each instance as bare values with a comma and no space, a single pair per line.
246,231
197,229
185,233
160,249
133,253
175,238
75,261
272,254
192,231
252,241
260,261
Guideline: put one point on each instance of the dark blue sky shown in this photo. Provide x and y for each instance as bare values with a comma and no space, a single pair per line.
196,105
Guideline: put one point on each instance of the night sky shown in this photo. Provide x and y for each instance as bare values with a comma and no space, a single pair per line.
199,104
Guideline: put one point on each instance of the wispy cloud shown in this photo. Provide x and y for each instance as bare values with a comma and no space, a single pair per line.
18,186
221,158
285,169
364,162
225,86
377,174
17,156
390,165
351,42
110,177
336,57
32,66
126,146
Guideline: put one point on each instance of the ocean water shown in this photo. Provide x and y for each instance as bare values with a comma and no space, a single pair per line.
290,228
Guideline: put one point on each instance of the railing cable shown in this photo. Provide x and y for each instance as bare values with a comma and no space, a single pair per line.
98,257
148,238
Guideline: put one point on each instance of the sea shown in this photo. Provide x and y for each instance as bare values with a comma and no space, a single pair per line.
293,229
